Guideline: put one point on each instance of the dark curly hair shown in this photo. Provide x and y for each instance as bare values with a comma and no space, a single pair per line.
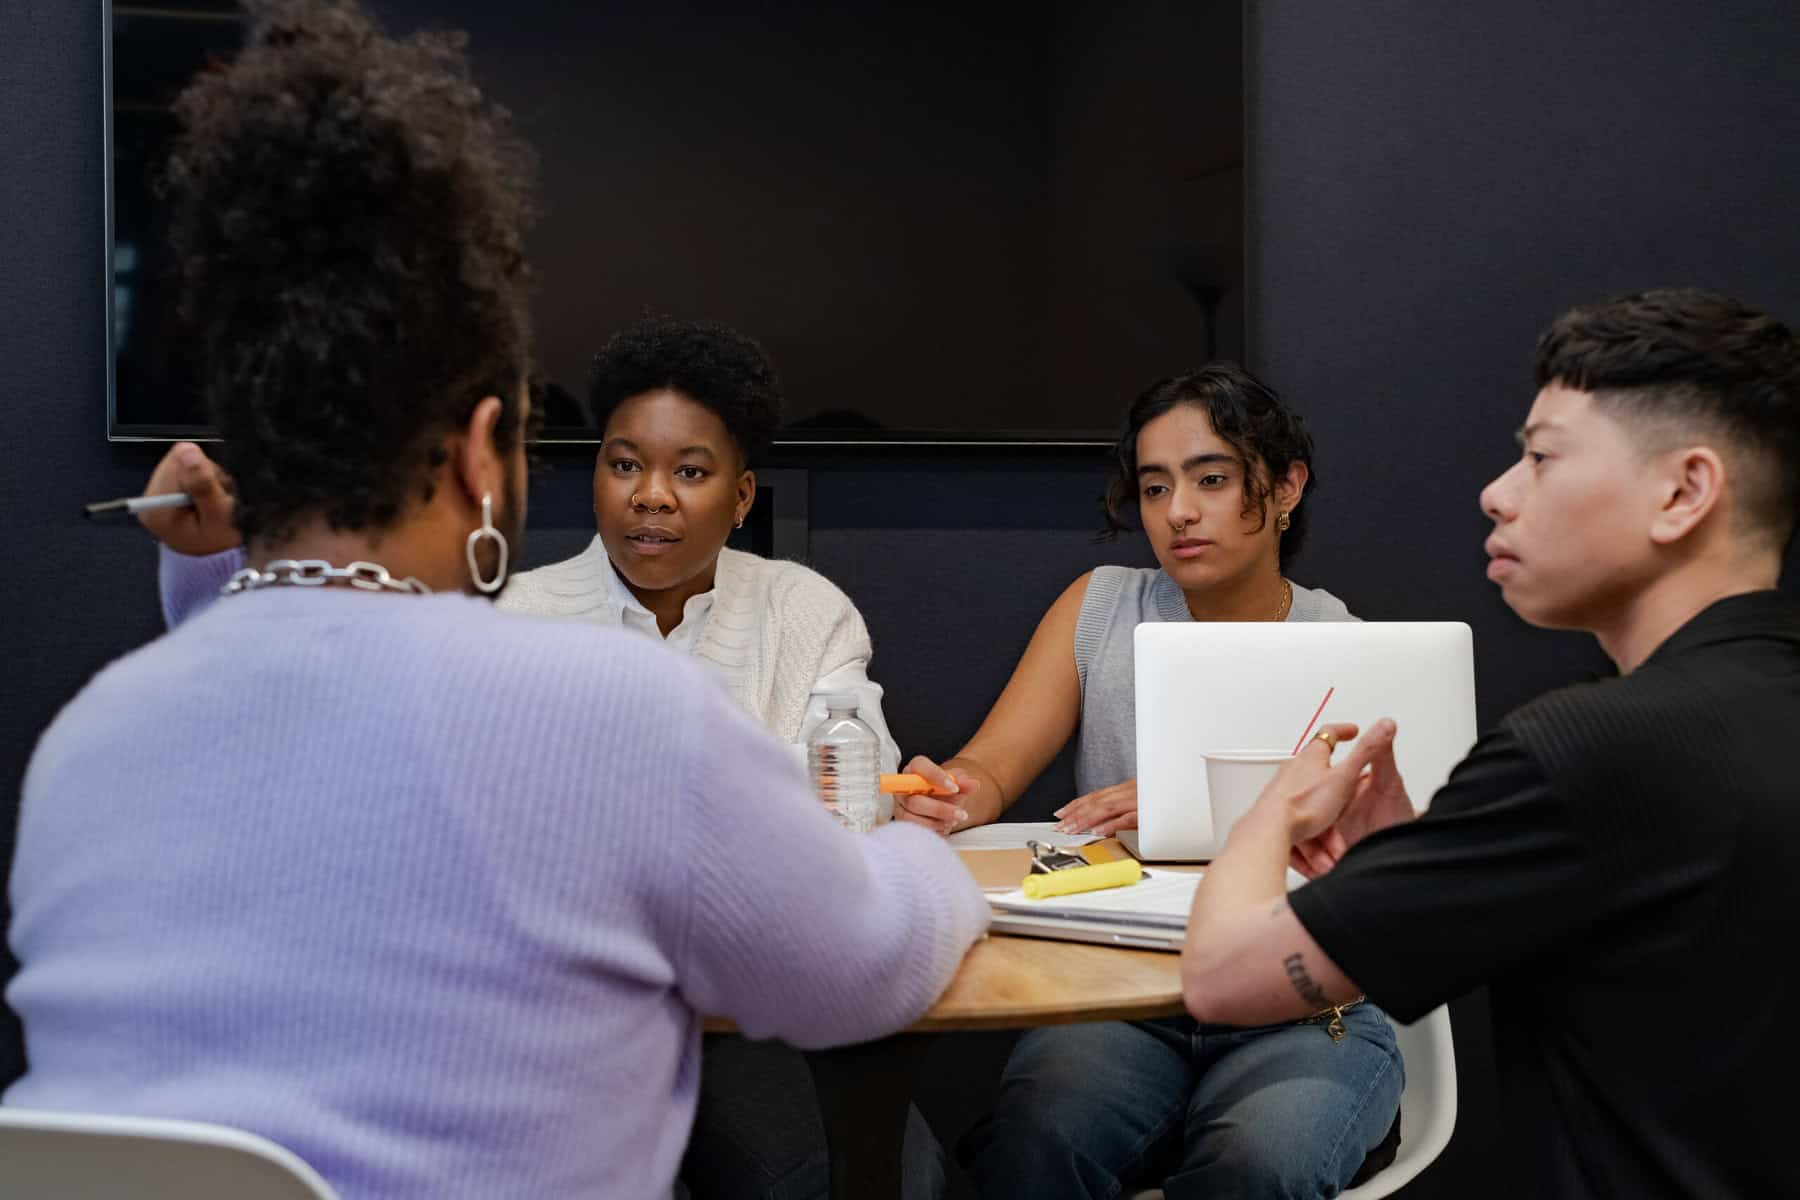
713,365
1683,360
1250,418
347,220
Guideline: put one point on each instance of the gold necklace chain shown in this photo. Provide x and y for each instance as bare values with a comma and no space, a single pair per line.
1287,601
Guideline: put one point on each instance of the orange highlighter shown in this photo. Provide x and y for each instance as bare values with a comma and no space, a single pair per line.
910,785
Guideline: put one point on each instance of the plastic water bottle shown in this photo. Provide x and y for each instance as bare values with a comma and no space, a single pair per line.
843,756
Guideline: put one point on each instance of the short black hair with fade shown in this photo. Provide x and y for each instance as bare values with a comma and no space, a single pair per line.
348,217
712,365
1676,362
1248,416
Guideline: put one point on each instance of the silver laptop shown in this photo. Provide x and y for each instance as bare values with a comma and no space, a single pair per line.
1107,932
1204,686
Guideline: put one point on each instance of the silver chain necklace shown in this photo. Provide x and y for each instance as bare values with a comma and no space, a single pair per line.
316,572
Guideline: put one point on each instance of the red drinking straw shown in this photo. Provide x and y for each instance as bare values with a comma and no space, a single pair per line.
1315,719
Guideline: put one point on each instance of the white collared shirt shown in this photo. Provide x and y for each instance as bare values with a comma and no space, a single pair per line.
852,677
632,614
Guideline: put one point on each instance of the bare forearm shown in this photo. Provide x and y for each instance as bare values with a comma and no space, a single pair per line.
1249,874
1248,960
985,804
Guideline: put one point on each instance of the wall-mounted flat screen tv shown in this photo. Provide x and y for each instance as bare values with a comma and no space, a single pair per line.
969,221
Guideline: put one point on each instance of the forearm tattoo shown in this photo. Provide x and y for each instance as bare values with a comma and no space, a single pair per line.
1303,983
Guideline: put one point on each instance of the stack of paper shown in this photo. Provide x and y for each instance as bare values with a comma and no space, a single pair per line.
1161,900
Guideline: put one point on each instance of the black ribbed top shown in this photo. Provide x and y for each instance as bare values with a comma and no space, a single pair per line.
1618,862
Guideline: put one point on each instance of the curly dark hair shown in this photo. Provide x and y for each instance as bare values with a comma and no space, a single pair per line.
1684,360
348,216
713,365
1247,414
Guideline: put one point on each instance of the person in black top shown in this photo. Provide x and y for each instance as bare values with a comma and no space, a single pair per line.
1616,859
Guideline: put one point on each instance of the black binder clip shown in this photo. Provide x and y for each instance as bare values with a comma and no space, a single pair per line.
1046,858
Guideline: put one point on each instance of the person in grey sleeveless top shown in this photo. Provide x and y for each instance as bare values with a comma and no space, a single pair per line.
1212,466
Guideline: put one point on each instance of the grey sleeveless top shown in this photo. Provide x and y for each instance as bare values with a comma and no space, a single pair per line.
1117,599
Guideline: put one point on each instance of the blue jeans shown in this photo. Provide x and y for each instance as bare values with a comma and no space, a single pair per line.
1199,1110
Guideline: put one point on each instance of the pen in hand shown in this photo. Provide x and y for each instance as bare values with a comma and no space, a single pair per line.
189,504
132,505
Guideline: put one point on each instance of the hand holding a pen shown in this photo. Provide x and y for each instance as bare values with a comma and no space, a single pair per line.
937,808
205,527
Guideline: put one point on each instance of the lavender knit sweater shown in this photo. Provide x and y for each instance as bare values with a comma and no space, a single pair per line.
434,896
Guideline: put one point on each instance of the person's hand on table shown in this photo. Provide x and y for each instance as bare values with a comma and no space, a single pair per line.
207,527
1101,813
1331,808
941,813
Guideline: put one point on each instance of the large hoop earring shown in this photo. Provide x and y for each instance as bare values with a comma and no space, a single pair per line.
487,530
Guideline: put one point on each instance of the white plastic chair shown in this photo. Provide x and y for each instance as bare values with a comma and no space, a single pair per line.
83,1156
1427,1106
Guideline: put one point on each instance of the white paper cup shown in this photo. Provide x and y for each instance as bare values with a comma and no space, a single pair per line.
1234,779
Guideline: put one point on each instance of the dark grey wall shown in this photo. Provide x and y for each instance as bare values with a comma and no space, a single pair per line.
1429,184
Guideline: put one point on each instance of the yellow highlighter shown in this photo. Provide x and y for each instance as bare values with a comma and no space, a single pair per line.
1070,880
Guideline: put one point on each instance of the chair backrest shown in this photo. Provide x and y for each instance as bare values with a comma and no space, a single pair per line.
1427,1106
81,1156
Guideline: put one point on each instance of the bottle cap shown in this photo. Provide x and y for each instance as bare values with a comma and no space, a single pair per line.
840,701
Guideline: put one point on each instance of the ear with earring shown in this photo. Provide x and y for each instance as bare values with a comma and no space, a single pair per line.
487,532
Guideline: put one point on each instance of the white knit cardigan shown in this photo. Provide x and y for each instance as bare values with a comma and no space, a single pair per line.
775,627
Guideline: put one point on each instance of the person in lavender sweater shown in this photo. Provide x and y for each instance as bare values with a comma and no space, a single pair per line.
433,896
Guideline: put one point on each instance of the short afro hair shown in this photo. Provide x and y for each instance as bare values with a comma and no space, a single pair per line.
1247,415
712,365
347,222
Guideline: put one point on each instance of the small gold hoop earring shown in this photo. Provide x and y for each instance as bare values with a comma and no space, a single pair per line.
1282,522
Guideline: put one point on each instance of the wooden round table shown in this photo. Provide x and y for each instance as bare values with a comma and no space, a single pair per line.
1004,983
1021,983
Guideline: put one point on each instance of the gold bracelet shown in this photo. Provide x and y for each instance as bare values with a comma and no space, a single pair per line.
1332,1018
